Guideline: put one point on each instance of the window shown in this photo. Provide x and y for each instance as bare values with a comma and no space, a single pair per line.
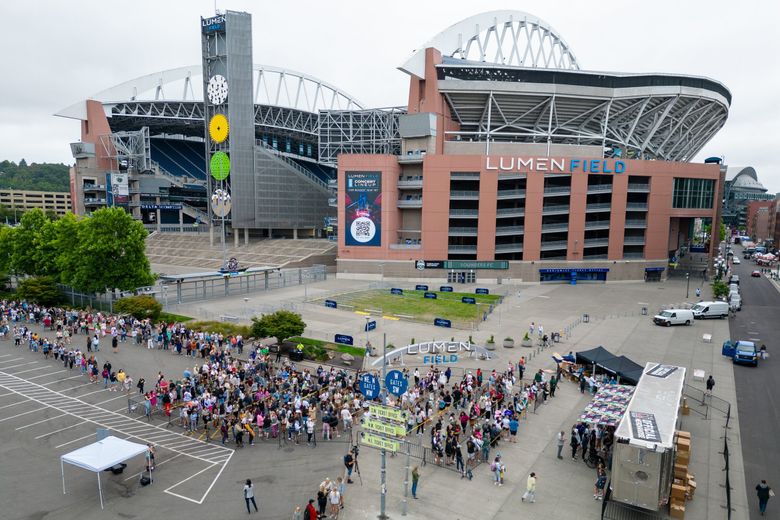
693,193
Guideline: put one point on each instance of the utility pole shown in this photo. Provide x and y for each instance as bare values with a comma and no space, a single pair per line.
383,465
406,479
687,284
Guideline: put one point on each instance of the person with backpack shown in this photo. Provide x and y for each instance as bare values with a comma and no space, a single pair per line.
310,513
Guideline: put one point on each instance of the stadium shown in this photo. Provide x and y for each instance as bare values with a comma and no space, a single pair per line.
531,168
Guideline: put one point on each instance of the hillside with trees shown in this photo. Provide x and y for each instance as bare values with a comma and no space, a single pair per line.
35,176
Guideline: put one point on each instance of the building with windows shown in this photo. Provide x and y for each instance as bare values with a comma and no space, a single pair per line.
742,187
49,201
515,164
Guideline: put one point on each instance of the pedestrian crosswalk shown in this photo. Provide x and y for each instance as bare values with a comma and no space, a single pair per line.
44,397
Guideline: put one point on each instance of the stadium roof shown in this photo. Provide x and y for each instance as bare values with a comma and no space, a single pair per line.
274,86
744,177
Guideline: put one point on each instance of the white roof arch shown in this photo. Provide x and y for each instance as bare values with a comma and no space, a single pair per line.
505,37
273,86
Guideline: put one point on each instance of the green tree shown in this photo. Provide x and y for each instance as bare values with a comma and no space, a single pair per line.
719,289
280,325
110,253
63,233
35,176
40,289
6,247
141,307
26,238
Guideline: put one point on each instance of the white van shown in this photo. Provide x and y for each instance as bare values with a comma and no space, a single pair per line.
669,317
704,310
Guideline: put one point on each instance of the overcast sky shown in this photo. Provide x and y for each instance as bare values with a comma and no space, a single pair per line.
58,52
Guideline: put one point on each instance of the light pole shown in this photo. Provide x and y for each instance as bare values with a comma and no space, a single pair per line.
383,464
368,349
687,284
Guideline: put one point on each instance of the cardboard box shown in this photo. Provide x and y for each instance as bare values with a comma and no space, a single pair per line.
683,458
683,434
683,444
678,492
677,511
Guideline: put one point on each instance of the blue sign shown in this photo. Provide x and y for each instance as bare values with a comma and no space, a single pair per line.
369,386
396,290
482,290
578,270
469,299
445,288
396,383
654,269
420,287
370,325
331,303
441,322
344,339
431,295
440,359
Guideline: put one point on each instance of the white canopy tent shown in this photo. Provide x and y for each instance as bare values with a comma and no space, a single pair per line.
100,456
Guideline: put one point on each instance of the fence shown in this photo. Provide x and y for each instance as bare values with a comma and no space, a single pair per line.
189,290
705,401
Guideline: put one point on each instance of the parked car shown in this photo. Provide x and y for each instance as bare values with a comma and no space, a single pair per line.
735,301
734,279
756,274
742,352
703,310
737,261
669,317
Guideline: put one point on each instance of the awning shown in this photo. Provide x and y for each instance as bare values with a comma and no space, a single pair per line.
100,456
620,366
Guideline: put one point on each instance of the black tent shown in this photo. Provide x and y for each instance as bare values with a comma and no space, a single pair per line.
621,366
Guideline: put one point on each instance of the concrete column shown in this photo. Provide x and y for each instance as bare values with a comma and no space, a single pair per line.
270,232
246,236
157,201
181,221
211,234
295,233
235,237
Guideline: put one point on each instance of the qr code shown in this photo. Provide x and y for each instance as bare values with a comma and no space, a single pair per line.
363,228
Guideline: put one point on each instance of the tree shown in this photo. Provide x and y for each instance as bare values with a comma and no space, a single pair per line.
64,232
6,247
26,238
280,325
141,307
40,289
35,176
110,253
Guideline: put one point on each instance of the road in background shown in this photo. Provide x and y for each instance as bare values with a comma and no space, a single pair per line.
758,389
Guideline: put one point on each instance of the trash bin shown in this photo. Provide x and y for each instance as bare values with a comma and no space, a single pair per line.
585,318
644,311
556,337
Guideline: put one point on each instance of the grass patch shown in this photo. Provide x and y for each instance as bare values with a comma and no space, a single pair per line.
447,305
169,317
329,345
221,327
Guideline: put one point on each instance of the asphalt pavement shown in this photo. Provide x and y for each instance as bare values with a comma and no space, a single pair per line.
758,389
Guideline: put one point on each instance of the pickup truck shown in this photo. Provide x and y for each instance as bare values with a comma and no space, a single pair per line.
743,352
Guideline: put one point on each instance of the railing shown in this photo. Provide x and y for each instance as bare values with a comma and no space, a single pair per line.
410,203
508,212
415,156
467,231
632,256
598,207
554,227
179,180
634,240
94,187
596,242
599,188
462,249
176,228
597,224
636,205
293,165
638,187
89,202
509,247
469,194
636,223
556,208
509,230
557,190
466,212
195,212
595,257
411,183
405,246
555,244
510,194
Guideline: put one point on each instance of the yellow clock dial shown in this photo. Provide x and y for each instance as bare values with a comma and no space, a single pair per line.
218,128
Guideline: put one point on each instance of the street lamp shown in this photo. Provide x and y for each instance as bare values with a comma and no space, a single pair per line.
368,345
687,284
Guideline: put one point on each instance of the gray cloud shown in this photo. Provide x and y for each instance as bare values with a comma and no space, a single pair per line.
65,51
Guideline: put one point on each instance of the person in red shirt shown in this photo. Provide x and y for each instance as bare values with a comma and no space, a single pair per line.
310,513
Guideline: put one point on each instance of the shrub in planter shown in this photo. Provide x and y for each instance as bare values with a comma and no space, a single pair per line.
509,342
527,341
490,344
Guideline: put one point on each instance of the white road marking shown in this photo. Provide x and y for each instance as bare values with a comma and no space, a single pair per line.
31,370
21,414
75,440
41,421
57,431
66,379
21,365
112,399
45,375
11,360
14,404
156,464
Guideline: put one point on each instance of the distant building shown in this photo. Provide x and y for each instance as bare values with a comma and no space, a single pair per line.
23,200
742,186
774,222
757,219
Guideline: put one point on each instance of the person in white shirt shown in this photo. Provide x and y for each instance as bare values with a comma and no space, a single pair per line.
249,496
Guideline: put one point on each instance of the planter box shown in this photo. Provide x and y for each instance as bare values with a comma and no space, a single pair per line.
490,346
527,343
509,343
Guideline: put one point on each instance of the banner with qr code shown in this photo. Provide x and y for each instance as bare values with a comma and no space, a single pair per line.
363,209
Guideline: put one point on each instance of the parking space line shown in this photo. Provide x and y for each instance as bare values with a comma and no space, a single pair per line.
190,477
9,393
21,365
112,399
11,360
21,414
93,392
31,370
66,379
14,404
46,375
57,431
41,421
5,355
74,440
156,464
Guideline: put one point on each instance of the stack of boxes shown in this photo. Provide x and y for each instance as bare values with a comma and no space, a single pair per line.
684,485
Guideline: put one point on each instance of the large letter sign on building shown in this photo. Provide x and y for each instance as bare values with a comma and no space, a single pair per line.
363,209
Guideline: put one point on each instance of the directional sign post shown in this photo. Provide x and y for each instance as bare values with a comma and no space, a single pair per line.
369,386
383,428
375,441
388,412
396,383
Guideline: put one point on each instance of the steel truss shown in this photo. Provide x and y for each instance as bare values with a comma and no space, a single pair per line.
672,127
358,132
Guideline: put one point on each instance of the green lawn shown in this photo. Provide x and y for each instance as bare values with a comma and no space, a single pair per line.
412,303
348,349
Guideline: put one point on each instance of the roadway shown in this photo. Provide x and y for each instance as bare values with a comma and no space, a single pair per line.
758,389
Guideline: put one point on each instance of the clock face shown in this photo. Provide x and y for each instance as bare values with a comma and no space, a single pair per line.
220,166
217,89
218,128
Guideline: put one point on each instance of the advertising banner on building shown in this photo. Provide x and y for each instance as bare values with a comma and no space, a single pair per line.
363,209
118,190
